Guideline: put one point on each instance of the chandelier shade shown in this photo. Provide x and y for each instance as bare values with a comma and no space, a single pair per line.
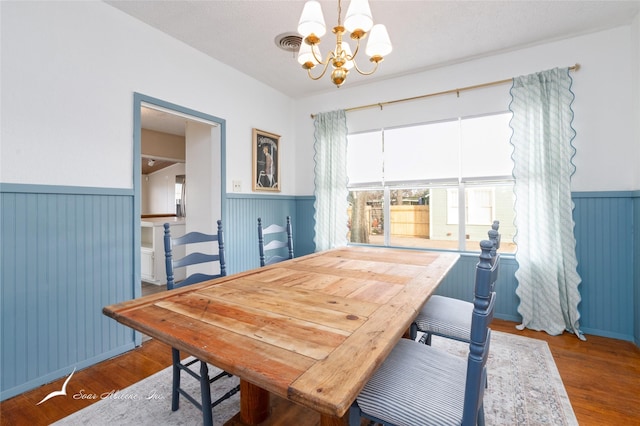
358,23
312,20
358,16
306,56
379,43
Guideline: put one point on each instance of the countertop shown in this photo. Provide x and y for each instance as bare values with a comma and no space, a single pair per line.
159,221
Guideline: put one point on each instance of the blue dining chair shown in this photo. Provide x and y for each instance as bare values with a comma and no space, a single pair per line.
423,385
193,258
447,316
205,404
280,237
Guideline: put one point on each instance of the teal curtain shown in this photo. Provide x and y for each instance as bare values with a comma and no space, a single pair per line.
330,180
543,151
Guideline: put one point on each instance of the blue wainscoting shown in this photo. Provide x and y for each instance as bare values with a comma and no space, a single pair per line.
241,231
606,246
636,265
459,284
65,254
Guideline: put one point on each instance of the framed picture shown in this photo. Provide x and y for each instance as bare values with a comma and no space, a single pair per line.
266,161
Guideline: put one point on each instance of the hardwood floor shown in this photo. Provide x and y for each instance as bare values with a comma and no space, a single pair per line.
602,378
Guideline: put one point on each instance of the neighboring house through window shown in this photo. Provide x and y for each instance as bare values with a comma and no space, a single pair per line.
406,183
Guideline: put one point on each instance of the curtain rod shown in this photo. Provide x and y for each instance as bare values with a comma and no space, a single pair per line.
576,67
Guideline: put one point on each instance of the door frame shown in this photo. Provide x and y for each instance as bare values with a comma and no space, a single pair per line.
138,101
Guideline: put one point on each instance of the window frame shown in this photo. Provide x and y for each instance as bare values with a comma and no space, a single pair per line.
460,184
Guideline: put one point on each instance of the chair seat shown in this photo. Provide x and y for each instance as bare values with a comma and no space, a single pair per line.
446,316
417,385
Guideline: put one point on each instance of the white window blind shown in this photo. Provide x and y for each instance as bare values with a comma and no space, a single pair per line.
468,148
485,147
364,158
424,152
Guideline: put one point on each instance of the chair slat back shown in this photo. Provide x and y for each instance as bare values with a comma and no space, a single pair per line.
483,308
496,236
275,244
193,258
268,255
274,228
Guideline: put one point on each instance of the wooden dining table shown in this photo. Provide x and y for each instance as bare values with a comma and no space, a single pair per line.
311,330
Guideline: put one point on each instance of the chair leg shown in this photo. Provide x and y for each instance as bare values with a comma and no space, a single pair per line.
354,414
205,390
175,395
481,415
413,331
426,339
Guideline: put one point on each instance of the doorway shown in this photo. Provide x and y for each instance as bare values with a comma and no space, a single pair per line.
202,164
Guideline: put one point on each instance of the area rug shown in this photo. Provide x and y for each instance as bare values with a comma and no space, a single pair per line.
524,388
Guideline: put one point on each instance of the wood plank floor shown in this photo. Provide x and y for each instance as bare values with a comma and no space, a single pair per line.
602,378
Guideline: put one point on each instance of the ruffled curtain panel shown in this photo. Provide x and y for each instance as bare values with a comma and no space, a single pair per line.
330,180
542,152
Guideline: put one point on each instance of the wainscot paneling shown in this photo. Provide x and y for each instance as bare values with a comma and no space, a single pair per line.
605,249
459,284
68,252
605,245
305,225
65,254
241,229
636,266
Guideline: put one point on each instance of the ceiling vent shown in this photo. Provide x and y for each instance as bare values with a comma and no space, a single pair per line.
289,42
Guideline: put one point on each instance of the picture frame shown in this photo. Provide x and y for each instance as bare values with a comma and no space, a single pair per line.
265,147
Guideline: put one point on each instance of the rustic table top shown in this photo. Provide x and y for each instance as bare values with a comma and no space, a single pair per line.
312,329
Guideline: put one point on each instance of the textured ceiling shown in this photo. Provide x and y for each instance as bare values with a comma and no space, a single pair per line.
425,34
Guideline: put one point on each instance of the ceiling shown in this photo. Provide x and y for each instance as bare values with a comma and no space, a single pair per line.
425,34
160,121
149,167
163,121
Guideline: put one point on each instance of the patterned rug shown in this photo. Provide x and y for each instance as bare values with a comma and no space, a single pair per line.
524,389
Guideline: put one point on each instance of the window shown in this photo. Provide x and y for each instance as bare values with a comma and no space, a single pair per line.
405,184
479,205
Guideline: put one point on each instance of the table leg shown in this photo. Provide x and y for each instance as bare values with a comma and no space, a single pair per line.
254,403
326,420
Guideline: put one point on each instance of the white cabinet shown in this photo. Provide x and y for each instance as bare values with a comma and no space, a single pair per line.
146,264
152,265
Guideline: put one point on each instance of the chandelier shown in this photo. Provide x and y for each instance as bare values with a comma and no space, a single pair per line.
358,22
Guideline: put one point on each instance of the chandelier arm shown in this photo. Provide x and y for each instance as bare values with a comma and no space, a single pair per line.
355,65
355,52
324,71
319,60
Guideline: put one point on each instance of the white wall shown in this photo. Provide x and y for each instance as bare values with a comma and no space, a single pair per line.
635,61
606,114
69,71
203,177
